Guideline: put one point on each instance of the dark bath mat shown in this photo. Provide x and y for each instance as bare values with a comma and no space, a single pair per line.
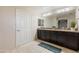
50,48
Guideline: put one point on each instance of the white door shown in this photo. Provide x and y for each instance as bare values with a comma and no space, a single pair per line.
23,27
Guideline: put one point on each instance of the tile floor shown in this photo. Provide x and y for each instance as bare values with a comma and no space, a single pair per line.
33,47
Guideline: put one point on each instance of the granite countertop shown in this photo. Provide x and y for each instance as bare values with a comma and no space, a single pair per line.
58,30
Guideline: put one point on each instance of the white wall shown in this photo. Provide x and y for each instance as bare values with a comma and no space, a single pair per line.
49,22
7,28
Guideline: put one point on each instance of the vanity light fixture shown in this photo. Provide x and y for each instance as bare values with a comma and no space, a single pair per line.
47,14
65,10
59,11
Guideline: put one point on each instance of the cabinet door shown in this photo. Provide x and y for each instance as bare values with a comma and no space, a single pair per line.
57,37
43,35
71,40
60,37
53,36
38,34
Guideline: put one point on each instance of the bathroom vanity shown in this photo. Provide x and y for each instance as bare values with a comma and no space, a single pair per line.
65,38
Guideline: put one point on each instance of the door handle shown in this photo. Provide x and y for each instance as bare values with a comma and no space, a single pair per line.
18,30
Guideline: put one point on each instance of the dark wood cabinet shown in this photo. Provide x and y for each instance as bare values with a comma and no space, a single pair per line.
43,35
66,39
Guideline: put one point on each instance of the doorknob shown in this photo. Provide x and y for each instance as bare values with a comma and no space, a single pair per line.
18,30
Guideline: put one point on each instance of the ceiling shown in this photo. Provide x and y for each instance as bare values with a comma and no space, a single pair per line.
41,9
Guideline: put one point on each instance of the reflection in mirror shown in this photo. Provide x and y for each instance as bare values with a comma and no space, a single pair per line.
62,24
41,23
61,20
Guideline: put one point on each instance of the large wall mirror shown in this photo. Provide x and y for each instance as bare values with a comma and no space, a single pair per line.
59,20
